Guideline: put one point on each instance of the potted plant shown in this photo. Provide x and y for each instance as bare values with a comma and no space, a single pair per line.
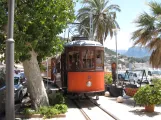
131,89
149,96
108,79
112,88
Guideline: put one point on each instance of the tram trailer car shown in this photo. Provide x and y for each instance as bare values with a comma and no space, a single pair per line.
82,67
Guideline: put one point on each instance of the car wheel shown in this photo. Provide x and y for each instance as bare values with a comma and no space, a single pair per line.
146,81
139,81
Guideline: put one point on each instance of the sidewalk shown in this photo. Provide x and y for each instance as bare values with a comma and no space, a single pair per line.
123,111
126,110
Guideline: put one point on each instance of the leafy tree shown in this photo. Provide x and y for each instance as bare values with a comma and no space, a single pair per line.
2,77
149,32
37,24
104,18
3,23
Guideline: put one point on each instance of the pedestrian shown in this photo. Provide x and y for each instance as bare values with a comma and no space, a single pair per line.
54,71
98,62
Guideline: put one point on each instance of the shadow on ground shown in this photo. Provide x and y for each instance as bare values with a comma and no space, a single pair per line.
141,112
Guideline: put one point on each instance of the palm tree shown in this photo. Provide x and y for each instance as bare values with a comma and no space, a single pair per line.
149,32
104,18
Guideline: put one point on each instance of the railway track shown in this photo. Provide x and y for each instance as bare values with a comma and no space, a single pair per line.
82,111
92,111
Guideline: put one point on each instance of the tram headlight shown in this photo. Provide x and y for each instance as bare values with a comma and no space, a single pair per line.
89,84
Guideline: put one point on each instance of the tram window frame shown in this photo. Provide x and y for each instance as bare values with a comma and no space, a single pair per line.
99,56
87,59
73,61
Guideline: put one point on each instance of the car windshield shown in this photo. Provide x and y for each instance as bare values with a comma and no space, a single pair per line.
22,75
156,72
16,80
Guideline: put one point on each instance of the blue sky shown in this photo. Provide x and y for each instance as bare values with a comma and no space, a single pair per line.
130,9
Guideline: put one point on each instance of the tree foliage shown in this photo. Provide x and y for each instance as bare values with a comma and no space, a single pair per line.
37,24
148,33
104,18
3,27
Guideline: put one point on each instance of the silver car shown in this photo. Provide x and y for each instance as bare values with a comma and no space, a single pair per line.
19,92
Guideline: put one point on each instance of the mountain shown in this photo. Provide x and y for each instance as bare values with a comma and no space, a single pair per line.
109,52
122,51
137,52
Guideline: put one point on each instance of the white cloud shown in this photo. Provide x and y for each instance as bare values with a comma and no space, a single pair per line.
123,41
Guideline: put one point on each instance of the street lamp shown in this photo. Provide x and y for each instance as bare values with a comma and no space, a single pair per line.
10,106
115,33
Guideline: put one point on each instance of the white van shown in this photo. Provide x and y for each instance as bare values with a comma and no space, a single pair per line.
138,76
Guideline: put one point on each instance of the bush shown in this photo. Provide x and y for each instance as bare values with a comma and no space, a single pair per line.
156,82
43,110
56,98
148,95
28,111
48,112
61,107
108,79
58,107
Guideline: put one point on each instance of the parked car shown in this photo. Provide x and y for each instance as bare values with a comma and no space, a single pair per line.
121,76
137,77
22,76
19,92
155,74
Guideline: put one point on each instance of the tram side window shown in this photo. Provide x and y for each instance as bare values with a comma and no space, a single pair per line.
88,59
99,59
73,60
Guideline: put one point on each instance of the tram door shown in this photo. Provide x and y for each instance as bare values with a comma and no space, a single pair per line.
63,71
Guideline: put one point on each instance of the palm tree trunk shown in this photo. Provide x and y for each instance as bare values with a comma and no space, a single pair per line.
35,82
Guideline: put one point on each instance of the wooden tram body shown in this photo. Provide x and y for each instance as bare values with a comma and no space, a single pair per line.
81,71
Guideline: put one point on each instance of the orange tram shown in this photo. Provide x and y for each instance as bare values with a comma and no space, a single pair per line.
82,67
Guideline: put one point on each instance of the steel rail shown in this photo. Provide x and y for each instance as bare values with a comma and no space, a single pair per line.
82,111
108,112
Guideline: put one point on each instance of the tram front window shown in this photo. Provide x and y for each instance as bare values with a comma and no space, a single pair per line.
88,59
99,60
73,60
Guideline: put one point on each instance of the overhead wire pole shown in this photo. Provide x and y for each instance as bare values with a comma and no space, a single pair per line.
115,33
91,24
10,107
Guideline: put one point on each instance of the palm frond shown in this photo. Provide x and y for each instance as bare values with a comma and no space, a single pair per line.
90,3
149,32
104,18
155,58
155,43
84,10
114,7
155,8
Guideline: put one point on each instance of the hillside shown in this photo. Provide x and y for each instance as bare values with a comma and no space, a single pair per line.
110,56
138,52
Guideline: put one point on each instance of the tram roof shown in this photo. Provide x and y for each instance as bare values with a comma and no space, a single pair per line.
83,43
